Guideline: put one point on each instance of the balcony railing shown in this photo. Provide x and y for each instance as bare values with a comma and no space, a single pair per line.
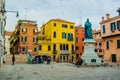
64,52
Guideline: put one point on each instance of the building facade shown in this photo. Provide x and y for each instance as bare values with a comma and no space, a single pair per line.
57,40
111,35
99,45
2,27
79,38
7,42
24,38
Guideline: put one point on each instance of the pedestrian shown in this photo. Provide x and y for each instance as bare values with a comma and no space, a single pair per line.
13,59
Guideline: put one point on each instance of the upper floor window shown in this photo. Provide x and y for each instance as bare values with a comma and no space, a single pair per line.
49,48
54,47
64,35
103,28
82,39
54,34
100,50
77,47
35,39
118,43
67,46
107,45
100,44
60,46
54,24
40,47
70,37
72,47
71,27
76,30
24,39
96,44
24,30
64,25
76,40
95,50
113,26
35,31
118,25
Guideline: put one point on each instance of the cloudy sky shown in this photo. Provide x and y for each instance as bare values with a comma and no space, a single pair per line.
72,10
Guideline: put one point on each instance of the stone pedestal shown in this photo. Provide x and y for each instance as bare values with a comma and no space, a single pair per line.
89,56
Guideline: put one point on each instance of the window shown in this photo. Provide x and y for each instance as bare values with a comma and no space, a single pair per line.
60,46
71,27
76,40
24,39
67,47
118,43
63,57
103,28
107,45
118,25
76,30
96,44
49,48
35,30
113,26
24,30
83,48
100,50
70,37
54,47
40,47
63,46
95,50
82,39
77,48
72,47
23,49
35,39
54,24
64,35
35,49
100,44
54,34
64,25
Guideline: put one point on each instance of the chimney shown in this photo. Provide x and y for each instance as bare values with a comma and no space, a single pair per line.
102,18
107,16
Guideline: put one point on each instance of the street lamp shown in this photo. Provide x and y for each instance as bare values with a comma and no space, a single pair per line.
4,11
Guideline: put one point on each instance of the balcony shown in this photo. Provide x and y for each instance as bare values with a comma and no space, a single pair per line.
54,51
64,52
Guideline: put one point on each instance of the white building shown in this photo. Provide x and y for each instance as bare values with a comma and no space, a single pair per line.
2,27
7,42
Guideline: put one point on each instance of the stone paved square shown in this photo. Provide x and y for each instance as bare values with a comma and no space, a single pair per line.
58,71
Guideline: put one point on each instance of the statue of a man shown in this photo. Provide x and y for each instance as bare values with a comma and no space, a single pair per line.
88,30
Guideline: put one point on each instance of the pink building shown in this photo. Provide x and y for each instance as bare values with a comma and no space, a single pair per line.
110,28
99,45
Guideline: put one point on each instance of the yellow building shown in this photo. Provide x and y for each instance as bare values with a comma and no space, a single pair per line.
57,40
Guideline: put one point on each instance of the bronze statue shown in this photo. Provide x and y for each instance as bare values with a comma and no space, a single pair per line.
88,30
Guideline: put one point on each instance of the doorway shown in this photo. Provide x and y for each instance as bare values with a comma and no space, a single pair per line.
113,58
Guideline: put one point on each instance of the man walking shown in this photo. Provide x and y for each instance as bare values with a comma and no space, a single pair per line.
13,59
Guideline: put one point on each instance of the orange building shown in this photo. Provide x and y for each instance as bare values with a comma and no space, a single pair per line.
79,35
111,35
99,49
24,38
